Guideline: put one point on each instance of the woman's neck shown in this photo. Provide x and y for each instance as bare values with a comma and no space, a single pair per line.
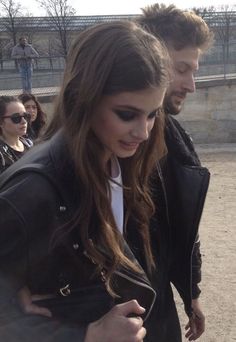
114,167
13,142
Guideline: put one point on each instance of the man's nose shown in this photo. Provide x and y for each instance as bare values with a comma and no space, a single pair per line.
189,84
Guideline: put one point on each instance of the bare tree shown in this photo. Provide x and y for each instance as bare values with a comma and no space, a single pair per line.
204,11
222,20
10,11
3,46
226,25
59,12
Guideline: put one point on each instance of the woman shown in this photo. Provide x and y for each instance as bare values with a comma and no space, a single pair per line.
37,115
78,244
13,126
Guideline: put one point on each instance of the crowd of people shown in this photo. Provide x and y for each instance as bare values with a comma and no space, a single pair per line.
97,220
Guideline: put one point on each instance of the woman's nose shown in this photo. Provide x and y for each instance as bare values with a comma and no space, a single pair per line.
141,130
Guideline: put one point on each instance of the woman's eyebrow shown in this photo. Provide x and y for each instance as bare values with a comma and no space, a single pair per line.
135,109
129,107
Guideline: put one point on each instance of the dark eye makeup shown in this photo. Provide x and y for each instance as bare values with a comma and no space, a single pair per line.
127,115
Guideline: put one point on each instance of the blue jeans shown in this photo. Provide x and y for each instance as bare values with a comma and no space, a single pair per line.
26,74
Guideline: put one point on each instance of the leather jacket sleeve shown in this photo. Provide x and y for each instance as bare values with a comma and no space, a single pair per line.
15,235
196,269
17,326
13,257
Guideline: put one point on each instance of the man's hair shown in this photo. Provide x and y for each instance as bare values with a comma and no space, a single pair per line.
23,37
180,28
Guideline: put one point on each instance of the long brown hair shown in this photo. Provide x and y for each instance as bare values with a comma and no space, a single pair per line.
108,59
40,120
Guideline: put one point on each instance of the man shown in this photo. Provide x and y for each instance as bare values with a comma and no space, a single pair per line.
23,53
180,197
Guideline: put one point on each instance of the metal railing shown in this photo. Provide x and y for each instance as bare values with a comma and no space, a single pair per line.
48,70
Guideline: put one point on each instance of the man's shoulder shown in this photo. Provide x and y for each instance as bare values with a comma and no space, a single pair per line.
172,123
17,46
175,131
179,142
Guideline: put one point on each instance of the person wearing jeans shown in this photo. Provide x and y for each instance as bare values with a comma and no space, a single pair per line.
23,53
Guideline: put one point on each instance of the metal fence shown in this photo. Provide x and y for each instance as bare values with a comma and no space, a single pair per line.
48,71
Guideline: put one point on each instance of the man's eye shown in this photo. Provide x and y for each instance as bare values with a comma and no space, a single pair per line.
125,115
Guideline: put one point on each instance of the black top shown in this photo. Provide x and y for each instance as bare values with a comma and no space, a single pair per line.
9,155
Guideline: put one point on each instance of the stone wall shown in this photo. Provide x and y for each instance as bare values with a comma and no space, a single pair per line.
209,114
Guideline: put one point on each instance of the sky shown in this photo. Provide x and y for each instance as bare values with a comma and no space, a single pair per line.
99,7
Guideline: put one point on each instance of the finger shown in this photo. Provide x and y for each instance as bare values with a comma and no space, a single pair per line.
141,334
187,326
37,310
198,334
131,307
189,333
136,321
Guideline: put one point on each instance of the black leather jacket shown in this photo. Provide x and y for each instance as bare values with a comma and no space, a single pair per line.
185,187
33,204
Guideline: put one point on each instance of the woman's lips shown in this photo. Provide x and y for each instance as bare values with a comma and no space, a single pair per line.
129,145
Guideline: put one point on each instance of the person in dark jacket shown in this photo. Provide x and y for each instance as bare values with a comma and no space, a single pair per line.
73,209
180,201
13,126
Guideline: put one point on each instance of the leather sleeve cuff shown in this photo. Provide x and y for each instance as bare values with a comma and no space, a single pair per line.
195,291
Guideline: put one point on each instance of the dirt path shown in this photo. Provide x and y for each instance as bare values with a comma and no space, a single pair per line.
218,241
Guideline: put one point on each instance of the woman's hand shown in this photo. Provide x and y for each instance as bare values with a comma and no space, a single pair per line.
24,299
116,326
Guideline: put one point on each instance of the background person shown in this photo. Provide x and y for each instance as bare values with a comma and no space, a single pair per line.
186,36
13,125
93,199
38,117
24,54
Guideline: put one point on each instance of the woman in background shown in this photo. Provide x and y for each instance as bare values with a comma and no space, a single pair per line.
13,126
37,115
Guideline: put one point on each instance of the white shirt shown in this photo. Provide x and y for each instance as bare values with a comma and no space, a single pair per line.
117,201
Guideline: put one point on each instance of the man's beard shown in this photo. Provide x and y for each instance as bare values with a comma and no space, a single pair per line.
170,107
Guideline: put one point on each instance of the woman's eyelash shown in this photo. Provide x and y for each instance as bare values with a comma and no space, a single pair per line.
125,115
154,114
128,116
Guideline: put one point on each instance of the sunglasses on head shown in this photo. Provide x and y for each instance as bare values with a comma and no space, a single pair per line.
17,117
